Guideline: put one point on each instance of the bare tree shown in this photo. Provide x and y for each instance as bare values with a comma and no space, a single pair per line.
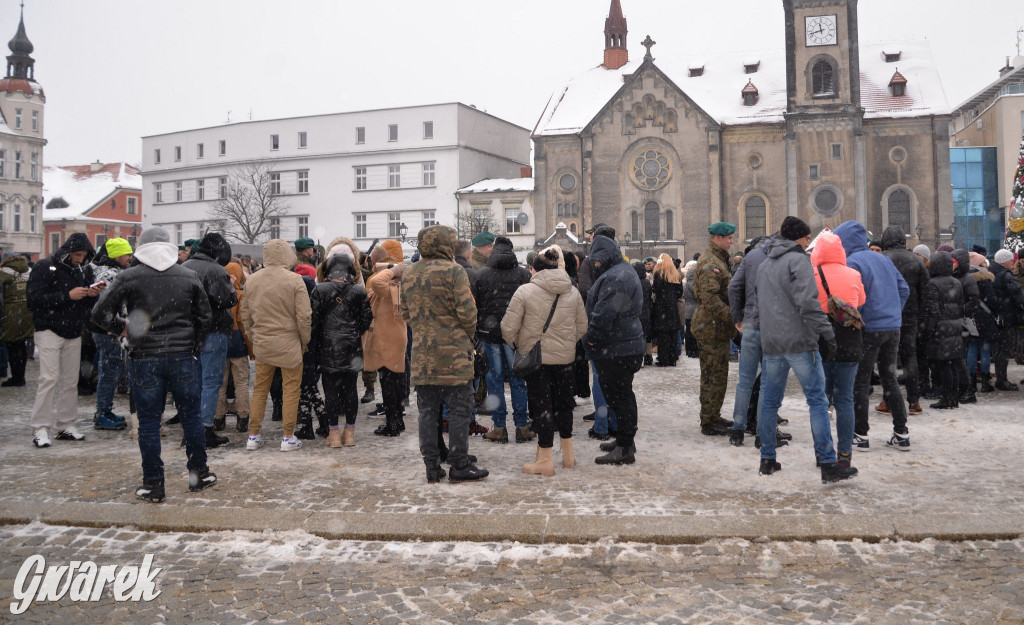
475,221
250,203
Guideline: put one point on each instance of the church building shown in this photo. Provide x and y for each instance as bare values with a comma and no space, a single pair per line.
827,129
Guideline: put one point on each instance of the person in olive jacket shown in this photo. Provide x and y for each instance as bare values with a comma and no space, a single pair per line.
341,314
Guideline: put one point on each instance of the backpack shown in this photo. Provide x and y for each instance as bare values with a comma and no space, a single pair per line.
847,325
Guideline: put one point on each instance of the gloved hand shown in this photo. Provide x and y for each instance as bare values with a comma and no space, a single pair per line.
827,347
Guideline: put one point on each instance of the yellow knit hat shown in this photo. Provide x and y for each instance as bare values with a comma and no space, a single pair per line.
117,248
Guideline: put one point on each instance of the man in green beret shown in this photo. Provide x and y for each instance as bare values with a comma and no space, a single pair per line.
189,247
712,326
182,254
305,257
483,243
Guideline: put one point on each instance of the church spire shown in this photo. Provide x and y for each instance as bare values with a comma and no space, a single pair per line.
615,53
19,63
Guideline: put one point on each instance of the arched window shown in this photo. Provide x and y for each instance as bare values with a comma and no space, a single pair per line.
572,228
669,226
823,78
899,209
634,226
561,210
754,217
652,219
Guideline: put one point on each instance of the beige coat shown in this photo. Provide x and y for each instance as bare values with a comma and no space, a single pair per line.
275,310
523,322
384,343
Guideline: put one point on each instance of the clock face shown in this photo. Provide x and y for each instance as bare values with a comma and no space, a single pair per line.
821,30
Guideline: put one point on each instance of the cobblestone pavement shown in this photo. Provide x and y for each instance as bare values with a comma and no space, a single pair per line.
293,577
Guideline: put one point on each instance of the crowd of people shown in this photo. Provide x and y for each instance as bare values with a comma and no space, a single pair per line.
461,319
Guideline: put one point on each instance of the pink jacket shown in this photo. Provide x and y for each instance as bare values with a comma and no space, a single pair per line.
843,282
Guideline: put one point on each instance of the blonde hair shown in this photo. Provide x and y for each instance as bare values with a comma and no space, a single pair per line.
666,270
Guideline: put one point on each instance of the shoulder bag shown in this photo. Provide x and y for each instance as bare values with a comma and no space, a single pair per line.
847,325
525,363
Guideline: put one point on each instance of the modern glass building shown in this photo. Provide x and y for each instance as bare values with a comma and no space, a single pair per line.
978,217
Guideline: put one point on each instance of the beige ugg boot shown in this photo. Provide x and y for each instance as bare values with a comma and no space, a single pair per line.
133,430
543,465
349,437
334,438
568,457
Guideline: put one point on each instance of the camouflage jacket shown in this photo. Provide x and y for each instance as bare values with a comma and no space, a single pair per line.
478,261
712,320
438,305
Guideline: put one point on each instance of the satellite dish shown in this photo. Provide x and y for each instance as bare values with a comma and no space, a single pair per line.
522,219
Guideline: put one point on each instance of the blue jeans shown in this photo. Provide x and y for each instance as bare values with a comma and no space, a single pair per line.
152,377
499,360
839,381
604,416
976,350
750,363
212,359
109,368
809,372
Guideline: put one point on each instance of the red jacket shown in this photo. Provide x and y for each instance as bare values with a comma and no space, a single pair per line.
843,282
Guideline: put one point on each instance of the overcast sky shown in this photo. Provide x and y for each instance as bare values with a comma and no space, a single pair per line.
116,70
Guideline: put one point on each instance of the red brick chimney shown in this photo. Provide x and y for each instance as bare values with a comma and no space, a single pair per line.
615,53
526,172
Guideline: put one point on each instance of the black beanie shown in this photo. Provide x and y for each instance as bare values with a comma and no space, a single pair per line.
794,228
547,259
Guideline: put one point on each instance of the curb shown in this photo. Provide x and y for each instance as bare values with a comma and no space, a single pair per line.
529,529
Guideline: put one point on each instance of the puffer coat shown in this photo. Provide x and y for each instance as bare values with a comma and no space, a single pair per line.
665,309
530,306
943,311
275,310
495,284
341,314
17,324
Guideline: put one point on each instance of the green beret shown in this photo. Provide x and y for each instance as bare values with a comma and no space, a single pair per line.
304,243
482,239
181,248
722,229
650,259
190,242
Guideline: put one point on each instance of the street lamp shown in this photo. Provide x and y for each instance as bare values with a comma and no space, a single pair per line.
403,230
627,238
919,229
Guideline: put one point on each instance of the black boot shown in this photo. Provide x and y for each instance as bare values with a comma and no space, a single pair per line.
219,423
242,424
304,431
619,455
278,413
736,438
368,396
151,491
986,384
648,360
768,466
468,473
213,440
389,427
836,472
323,427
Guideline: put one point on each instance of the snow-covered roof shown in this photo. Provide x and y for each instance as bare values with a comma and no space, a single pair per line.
83,188
562,228
718,89
491,185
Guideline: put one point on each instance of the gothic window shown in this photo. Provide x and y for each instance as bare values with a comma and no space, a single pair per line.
634,225
561,210
659,114
650,107
671,120
669,226
652,219
754,217
628,124
823,78
638,115
899,209
650,169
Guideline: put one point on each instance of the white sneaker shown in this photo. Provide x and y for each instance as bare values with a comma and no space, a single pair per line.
41,438
254,442
290,444
70,433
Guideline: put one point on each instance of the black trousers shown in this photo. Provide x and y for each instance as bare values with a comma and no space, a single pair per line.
340,396
392,386
880,347
549,392
666,341
616,375
1003,349
582,369
908,355
948,372
17,356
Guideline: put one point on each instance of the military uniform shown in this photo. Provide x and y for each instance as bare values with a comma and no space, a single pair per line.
713,328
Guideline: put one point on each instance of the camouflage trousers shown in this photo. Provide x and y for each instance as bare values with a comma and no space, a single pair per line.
714,376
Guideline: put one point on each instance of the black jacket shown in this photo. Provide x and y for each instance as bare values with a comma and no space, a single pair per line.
910,266
341,314
1009,298
943,319
461,261
495,285
972,296
208,262
665,311
49,284
985,319
614,305
645,312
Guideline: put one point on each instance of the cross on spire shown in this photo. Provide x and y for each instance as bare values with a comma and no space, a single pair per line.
648,43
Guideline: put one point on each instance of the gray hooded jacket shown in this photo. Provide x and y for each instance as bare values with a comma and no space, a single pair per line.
790,315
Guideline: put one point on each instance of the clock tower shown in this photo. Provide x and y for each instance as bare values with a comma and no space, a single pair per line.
825,149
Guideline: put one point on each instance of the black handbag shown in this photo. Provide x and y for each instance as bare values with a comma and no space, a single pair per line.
523,364
847,325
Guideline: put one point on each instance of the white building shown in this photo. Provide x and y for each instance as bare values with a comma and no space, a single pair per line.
503,206
360,174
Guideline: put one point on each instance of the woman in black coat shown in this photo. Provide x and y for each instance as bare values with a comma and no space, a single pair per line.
668,289
341,314
943,322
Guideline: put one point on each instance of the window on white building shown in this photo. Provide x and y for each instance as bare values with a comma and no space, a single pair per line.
199,150
200,189
223,147
512,220
32,218
35,121
178,195
360,178
303,227
222,186
17,119
428,174
17,217
133,207
54,242
275,142
429,218
3,162
304,181
360,135
275,228
34,166
392,132
428,130
17,165
159,193
177,153
394,176
360,226
156,156
302,139
177,234
394,225
275,184
3,211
